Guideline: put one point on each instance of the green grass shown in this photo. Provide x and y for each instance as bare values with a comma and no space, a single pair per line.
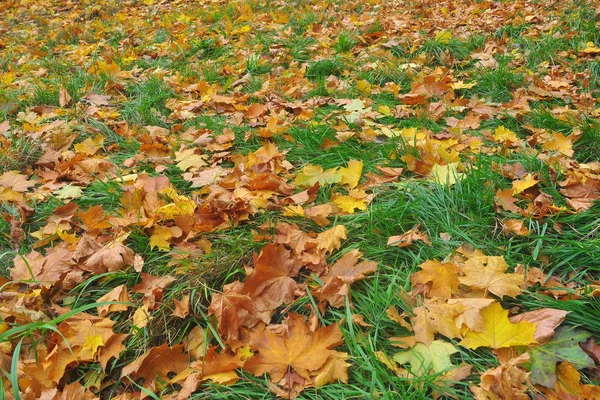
323,68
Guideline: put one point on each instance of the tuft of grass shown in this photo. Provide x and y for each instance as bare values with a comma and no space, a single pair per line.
346,42
255,66
147,103
587,148
323,68
497,84
445,53
19,153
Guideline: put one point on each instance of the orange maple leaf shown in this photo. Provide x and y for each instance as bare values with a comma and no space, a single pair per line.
296,349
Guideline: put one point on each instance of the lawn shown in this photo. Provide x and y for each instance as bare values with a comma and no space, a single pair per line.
304,199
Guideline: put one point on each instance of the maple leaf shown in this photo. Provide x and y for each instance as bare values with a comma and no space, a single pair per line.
446,174
507,381
109,258
330,239
487,273
92,343
64,98
15,181
118,294
94,219
335,369
440,279
505,200
436,316
349,203
525,183
295,349
157,362
312,174
48,269
187,159
408,238
559,142
498,331
471,315
232,308
161,237
564,346
69,192
423,359
343,273
505,136
90,146
351,174
546,320
515,226
568,385
152,287
182,307
270,283
112,348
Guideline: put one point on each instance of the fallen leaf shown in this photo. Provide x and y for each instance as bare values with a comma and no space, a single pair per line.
156,363
436,316
488,274
330,239
523,184
312,174
507,381
335,369
563,346
498,331
408,238
440,279
118,294
297,349
425,360
546,320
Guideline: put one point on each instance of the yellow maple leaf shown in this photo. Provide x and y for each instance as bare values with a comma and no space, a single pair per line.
498,331
486,273
364,87
442,276
591,49
330,239
89,146
68,192
92,343
424,360
7,78
161,238
503,135
293,211
351,174
463,85
559,142
7,194
348,203
446,174
181,205
312,174
522,184
187,159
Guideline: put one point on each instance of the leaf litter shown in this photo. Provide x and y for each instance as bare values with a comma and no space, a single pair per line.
176,180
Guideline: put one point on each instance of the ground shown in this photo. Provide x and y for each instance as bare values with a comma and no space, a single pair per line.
311,199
